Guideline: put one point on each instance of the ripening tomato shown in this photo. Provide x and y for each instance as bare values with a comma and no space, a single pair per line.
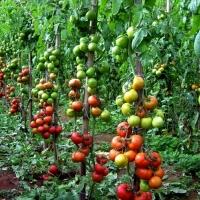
136,142
155,182
140,111
75,83
96,111
74,95
117,142
121,160
124,191
47,119
155,159
124,129
130,154
142,160
150,102
138,83
78,156
113,153
39,122
130,96
93,101
33,124
159,172
144,173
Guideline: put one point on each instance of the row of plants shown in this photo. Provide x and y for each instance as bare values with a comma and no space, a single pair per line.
86,72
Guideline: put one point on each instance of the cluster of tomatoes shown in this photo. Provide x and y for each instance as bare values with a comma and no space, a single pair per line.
23,75
75,106
158,69
45,92
50,61
100,170
83,143
9,93
15,107
42,123
137,114
126,148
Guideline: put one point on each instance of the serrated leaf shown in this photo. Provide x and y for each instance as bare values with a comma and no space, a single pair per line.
195,119
116,4
138,37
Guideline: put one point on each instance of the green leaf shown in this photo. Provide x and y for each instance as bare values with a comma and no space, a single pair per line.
197,45
195,146
195,118
80,187
195,25
178,190
116,4
193,6
138,37
150,3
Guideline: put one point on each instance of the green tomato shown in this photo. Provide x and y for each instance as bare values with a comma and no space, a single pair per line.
146,122
199,99
92,83
130,32
94,38
70,112
81,74
83,47
91,72
92,46
126,109
121,160
157,122
105,115
144,186
133,120
159,113
119,101
122,41
90,15
116,50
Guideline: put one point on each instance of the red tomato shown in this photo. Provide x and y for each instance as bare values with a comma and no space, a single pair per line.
87,139
155,182
124,129
47,119
96,111
33,124
155,159
77,138
49,110
140,195
141,160
93,101
97,177
78,157
149,195
53,169
144,173
101,159
85,150
150,102
106,171
124,191
136,142
77,106
58,129
52,129
99,169
39,122
46,135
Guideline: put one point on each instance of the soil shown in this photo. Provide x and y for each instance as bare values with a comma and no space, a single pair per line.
10,185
